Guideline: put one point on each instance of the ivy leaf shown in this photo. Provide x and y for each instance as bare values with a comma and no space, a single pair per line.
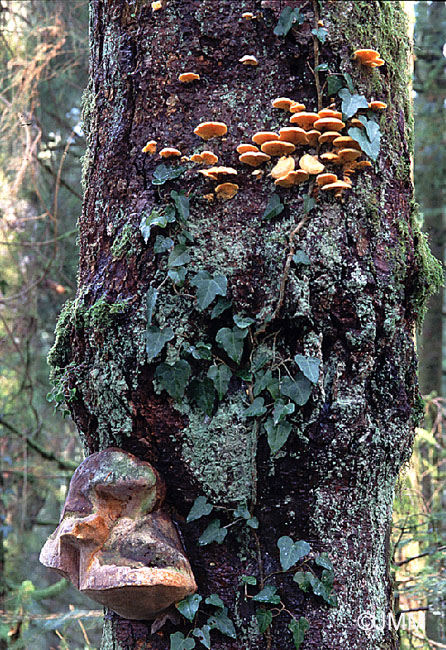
349,81
298,389
309,366
222,623
274,207
231,340
320,33
263,382
201,351
322,67
151,297
304,579
256,408
203,634
155,218
253,523
178,257
298,629
162,174
267,595
370,141
264,619
162,244
221,376
179,642
215,601
243,321
177,275
202,392
208,288
222,305
334,84
324,561
281,410
156,339
173,378
188,607
322,588
351,103
242,511
201,508
248,580
213,533
286,20
291,552
181,203
277,436
300,257
309,203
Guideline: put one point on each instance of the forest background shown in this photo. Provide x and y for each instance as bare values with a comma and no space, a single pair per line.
44,60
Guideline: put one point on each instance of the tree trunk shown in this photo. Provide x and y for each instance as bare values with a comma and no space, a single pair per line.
350,304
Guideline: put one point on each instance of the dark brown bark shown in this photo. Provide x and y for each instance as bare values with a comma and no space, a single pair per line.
353,307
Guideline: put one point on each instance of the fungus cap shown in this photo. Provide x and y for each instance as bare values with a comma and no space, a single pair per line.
292,178
377,105
343,141
296,107
347,155
208,130
188,77
150,147
277,147
326,178
365,55
293,134
282,102
209,158
313,137
254,158
257,173
170,152
248,15
331,157
328,136
264,136
283,166
337,185
376,63
216,172
305,120
362,164
226,191
157,5
355,122
311,164
329,124
329,112
249,59
243,148
196,158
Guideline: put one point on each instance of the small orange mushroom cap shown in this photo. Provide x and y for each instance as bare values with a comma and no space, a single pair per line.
254,158
188,77
331,157
304,120
226,191
248,15
293,134
329,124
208,130
170,152
157,5
376,63
209,158
216,172
292,178
249,59
365,56
296,107
311,164
337,185
282,102
362,164
243,148
343,141
313,137
277,148
150,147
329,112
283,166
328,136
324,179
347,155
355,122
377,106
264,136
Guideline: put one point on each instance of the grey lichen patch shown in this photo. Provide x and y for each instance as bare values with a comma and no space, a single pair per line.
220,451
122,242
100,315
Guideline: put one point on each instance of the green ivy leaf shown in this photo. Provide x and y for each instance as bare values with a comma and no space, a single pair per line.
178,257
179,642
213,533
177,275
304,579
267,595
155,218
324,561
287,19
203,634
215,601
156,339
281,410
291,552
349,81
173,378
277,436
334,84
248,580
264,619
151,297
274,207
201,508
309,203
201,351
222,305
298,629
322,67
309,366
181,203
253,523
162,174
370,145
162,244
263,382
257,408
222,623
242,511
188,607
243,321
221,376
232,342
298,389
322,588
202,392
208,288
300,257
351,103
321,34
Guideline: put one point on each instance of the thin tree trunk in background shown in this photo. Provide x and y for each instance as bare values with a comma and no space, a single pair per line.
353,307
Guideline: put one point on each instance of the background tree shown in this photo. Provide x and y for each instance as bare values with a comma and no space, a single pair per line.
191,311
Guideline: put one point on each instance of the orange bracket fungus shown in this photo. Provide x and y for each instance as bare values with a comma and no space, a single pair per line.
329,124
282,102
254,158
264,136
292,178
208,130
325,179
311,164
226,191
377,106
293,134
277,148
296,107
286,164
248,15
188,77
249,59
305,120
216,172
170,152
150,147
243,148
115,542
157,5
370,58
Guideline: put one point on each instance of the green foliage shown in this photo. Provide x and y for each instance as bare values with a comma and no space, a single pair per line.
162,174
179,642
277,435
221,376
188,607
322,587
351,103
215,601
178,257
162,244
287,19
201,508
208,288
298,629
321,34
221,306
156,339
232,342
151,297
203,633
368,139
274,207
298,389
257,408
181,203
156,218
243,321
202,392
222,623
213,533
309,366
173,378
264,619
281,410
267,595
291,552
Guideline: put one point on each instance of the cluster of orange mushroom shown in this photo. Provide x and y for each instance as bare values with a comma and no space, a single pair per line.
370,58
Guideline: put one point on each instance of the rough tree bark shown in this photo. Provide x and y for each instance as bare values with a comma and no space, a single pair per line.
353,306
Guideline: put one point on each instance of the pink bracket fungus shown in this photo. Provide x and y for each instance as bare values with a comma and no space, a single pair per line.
115,542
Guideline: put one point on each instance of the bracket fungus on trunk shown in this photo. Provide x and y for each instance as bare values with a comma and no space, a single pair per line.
115,543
